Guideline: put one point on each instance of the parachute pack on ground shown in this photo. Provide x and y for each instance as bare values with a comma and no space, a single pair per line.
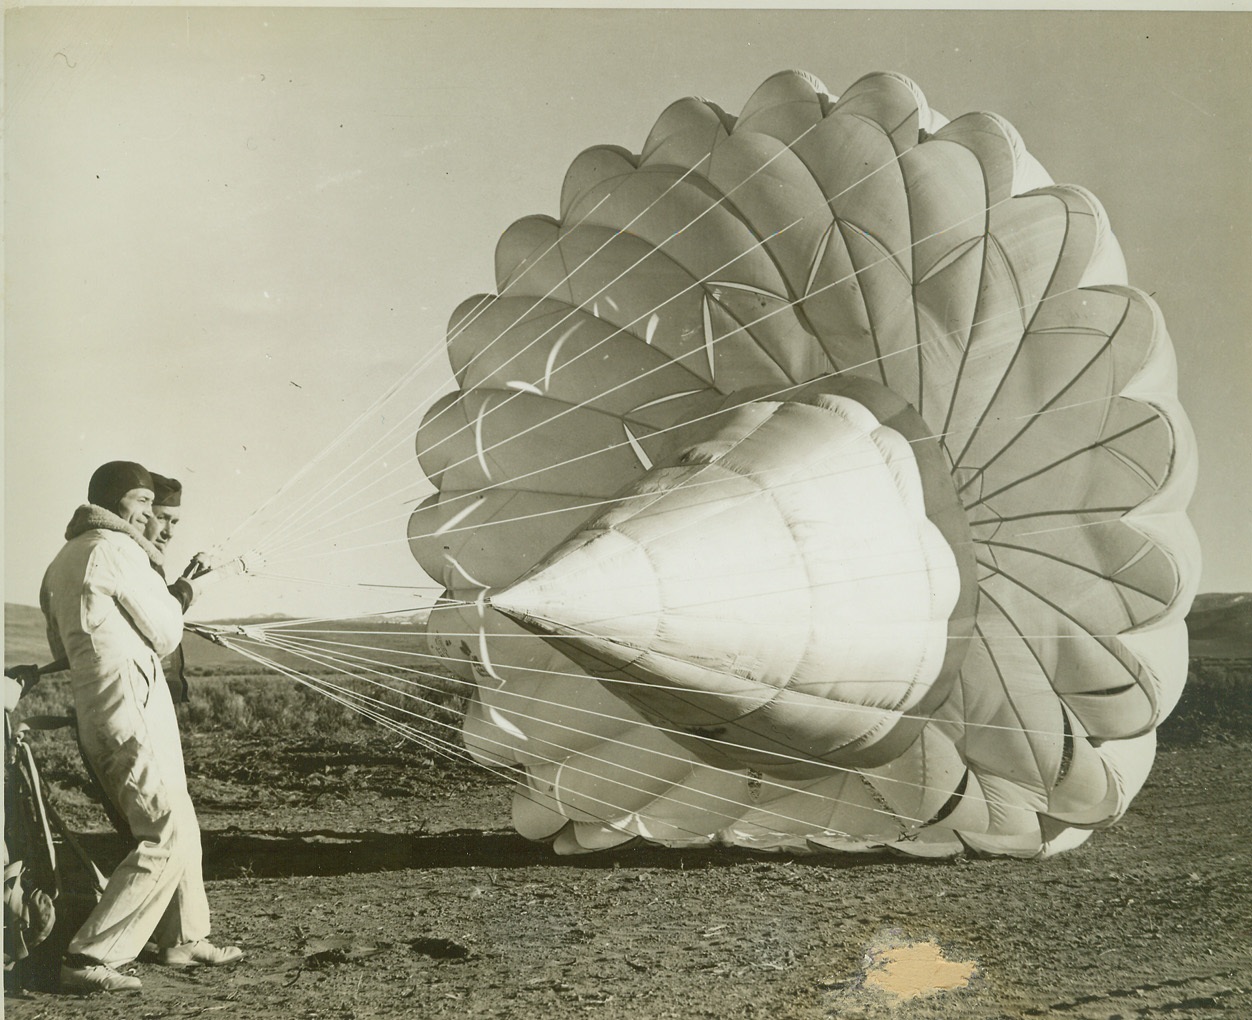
815,480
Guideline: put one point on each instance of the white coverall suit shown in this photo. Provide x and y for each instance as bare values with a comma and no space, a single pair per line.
109,612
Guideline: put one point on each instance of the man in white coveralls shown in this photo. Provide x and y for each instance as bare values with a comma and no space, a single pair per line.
110,613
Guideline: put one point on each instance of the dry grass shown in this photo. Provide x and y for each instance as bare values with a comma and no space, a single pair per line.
256,704
231,705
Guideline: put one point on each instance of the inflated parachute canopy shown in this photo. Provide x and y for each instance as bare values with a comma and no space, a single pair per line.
815,480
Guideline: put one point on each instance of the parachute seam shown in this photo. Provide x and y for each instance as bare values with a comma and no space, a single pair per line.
1078,566
725,201
743,327
1099,444
789,297
503,485
1066,710
991,244
911,275
1044,296
692,699
1139,469
910,211
694,284
855,277
1103,642
1012,705
778,690
1104,349
1004,519
795,545
485,382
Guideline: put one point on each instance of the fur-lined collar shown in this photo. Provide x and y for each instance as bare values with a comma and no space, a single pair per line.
90,517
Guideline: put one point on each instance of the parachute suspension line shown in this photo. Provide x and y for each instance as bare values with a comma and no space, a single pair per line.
362,705
359,704
740,329
616,499
445,747
888,257
330,691
390,393
325,519
395,388
436,602
341,660
638,262
356,423
649,314
778,393
310,551
428,602
350,585
488,300
568,276
521,780
329,659
300,540
374,707
221,633
306,508
425,739
295,628
621,682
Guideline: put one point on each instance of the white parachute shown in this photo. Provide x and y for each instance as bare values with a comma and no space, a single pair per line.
814,480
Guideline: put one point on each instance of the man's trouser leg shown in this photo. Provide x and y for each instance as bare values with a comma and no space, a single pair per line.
137,755
111,810
186,919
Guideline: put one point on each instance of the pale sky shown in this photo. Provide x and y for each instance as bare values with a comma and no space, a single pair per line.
227,231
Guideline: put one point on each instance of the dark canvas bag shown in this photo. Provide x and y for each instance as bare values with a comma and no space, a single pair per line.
47,894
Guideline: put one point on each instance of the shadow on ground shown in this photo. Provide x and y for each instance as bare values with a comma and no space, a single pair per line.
230,854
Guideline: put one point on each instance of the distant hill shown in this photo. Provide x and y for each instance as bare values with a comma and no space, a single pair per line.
24,636
1220,626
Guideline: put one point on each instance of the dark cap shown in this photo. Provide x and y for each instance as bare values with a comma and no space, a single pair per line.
113,480
168,491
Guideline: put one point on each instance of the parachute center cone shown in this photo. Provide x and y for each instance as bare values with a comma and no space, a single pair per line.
779,574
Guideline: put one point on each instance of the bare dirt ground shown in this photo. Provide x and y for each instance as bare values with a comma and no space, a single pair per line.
364,882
